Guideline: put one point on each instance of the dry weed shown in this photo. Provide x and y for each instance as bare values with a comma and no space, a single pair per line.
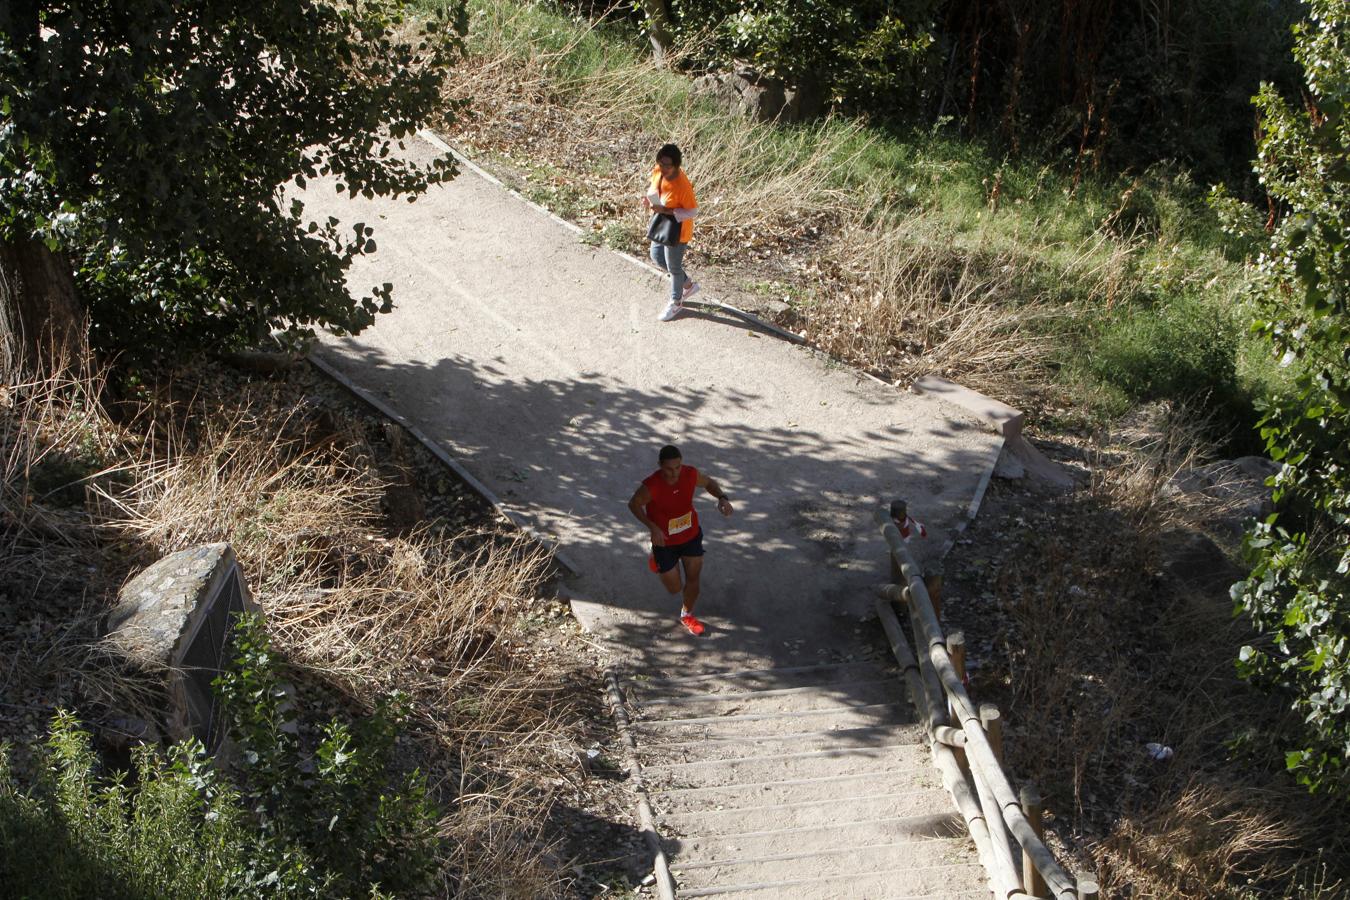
1103,269
761,184
55,441
1205,841
1099,652
354,613
1173,439
245,475
913,303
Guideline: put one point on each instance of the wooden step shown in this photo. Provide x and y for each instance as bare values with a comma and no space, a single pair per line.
727,726
711,818
793,791
898,883
692,844
798,699
655,752
639,689
782,767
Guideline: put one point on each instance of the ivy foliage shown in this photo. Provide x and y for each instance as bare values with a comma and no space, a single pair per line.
1298,593
151,143
338,806
285,821
870,56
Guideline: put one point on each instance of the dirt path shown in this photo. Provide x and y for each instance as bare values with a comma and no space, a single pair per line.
537,361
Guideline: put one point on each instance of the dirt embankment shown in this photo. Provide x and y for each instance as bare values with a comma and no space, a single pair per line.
377,569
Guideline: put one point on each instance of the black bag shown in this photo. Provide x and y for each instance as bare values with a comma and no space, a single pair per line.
663,229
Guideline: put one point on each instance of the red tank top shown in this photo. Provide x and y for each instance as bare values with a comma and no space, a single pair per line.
672,505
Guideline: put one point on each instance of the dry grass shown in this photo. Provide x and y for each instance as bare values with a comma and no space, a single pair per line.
913,302
53,436
354,613
1098,652
1204,840
889,288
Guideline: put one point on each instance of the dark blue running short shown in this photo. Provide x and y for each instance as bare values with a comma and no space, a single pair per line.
667,557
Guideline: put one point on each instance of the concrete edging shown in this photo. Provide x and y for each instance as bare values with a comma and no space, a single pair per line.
665,881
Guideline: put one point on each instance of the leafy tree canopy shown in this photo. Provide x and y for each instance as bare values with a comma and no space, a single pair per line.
150,143
1298,594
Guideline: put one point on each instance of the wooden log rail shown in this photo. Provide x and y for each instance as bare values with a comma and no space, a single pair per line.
967,740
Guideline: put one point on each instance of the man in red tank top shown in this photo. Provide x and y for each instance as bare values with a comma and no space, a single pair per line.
664,504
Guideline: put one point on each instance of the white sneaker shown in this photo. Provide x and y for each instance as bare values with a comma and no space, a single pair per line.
671,311
690,289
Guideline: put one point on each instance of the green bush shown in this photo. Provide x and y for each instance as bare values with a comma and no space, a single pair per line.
1298,593
283,823
176,831
336,806
873,57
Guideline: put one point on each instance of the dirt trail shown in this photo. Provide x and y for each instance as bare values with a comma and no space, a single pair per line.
537,361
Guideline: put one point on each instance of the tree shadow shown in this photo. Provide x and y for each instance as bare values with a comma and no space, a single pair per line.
787,579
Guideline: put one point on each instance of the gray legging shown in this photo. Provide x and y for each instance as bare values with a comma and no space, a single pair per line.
670,257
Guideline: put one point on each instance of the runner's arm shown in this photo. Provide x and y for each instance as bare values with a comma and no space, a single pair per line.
637,505
712,487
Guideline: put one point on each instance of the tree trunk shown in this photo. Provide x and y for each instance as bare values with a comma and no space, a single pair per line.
658,29
41,323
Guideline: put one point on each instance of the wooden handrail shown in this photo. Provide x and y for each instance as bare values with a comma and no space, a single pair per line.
953,777
934,672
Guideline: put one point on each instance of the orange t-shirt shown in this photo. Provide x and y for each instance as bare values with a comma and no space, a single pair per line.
677,194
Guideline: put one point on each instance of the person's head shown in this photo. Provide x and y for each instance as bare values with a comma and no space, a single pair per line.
669,159
671,462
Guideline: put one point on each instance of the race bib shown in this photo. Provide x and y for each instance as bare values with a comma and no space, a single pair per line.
680,524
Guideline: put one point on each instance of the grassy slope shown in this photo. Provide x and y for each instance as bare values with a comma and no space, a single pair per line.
906,254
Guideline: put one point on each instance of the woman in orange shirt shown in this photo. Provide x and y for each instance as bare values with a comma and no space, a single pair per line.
669,191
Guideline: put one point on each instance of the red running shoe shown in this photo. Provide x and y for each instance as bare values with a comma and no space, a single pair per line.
694,625
651,562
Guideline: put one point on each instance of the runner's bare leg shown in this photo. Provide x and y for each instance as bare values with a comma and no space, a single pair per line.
693,566
671,579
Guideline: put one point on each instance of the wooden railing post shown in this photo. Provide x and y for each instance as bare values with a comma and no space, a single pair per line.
934,584
1032,882
992,720
1087,886
956,649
